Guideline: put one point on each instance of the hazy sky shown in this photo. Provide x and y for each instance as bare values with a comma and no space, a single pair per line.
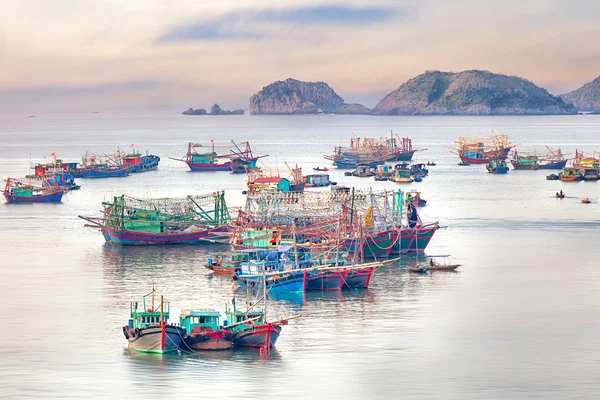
82,54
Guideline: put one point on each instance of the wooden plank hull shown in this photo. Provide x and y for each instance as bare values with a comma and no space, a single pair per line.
358,278
326,280
154,339
132,238
55,197
263,335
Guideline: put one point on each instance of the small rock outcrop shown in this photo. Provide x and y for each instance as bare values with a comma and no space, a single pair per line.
214,110
191,111
470,93
586,98
297,97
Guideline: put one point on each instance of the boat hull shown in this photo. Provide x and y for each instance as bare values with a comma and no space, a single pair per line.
358,278
132,238
207,341
485,159
444,267
155,339
422,237
326,280
553,165
286,282
524,167
45,198
210,167
95,174
263,335
402,156
148,163
499,170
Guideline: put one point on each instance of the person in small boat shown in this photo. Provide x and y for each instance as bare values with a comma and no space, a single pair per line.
561,194
431,263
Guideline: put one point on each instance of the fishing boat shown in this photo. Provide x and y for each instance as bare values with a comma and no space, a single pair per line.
226,263
571,172
588,165
326,279
359,276
136,162
414,197
198,159
554,159
275,271
321,169
297,180
431,163
463,163
17,191
402,174
524,161
552,177
128,221
203,331
419,170
318,180
418,269
481,150
497,167
148,329
381,178
104,166
445,266
399,149
57,167
384,170
586,201
363,171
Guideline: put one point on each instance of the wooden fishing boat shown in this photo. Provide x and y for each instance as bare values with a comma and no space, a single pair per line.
552,177
481,150
318,180
321,169
381,178
227,263
570,174
103,171
198,160
497,167
419,269
402,174
326,279
148,330
363,171
414,197
553,160
419,170
359,276
129,221
203,331
250,329
136,162
586,201
442,267
528,161
57,167
16,191
399,149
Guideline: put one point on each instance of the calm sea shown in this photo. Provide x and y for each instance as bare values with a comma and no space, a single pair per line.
519,319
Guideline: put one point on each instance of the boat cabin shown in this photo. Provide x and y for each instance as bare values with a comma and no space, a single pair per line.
147,315
363,170
237,318
198,320
385,170
274,182
317,180
570,174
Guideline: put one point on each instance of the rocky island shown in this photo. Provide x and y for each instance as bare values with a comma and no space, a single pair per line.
297,97
470,93
214,110
586,98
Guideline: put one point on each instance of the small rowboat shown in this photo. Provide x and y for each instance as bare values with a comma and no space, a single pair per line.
419,269
431,163
586,201
439,267
560,196
463,163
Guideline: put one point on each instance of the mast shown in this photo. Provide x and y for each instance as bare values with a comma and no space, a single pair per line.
337,247
294,243
152,296
161,309
264,293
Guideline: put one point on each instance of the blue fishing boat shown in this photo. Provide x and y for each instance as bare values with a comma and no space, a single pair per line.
148,330
135,162
103,171
16,191
497,167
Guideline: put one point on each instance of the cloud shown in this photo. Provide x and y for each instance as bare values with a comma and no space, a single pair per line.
227,26
331,14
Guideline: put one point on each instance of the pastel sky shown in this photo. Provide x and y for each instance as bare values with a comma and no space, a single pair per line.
82,54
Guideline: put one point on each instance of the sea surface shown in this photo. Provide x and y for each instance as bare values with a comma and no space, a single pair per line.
520,318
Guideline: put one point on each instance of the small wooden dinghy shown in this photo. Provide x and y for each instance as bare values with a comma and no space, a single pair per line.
419,269
586,201
439,267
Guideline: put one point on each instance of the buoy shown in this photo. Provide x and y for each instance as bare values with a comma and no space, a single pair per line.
149,309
